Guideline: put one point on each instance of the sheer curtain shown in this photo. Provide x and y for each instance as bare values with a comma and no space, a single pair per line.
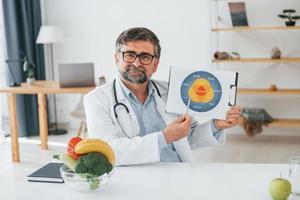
3,99
22,21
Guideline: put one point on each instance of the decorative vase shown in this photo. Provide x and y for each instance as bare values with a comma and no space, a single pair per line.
290,23
30,81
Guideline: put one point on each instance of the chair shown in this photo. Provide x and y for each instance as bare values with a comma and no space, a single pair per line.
79,113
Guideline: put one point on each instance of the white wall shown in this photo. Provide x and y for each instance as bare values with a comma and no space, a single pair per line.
92,26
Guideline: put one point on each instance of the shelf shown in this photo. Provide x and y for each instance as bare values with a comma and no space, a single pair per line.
292,123
281,123
254,28
259,60
269,91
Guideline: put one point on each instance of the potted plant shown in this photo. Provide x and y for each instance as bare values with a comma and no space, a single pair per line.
29,70
287,14
30,79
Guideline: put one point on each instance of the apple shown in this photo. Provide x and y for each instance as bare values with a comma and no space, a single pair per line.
280,188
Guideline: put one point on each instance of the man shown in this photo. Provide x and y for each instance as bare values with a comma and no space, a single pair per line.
129,113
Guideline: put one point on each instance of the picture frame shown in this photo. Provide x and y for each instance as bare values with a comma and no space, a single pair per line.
238,13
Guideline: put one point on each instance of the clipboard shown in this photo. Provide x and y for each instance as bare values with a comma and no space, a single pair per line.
218,91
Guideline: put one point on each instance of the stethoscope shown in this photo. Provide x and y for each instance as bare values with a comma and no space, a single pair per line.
117,103
122,104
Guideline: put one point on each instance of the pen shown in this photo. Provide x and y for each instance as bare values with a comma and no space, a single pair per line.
188,106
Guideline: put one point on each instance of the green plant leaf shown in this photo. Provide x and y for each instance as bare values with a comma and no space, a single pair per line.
30,73
295,17
282,16
289,11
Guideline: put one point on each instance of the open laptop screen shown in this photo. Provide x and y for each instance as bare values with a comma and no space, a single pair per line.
76,74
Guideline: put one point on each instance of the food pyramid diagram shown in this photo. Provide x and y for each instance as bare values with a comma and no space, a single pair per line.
202,89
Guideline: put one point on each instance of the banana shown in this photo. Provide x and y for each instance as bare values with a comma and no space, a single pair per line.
96,145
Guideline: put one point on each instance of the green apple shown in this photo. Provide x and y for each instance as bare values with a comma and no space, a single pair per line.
280,189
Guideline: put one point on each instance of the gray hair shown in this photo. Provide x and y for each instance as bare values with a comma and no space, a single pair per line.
136,34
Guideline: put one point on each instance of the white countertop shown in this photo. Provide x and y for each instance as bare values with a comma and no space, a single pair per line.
209,181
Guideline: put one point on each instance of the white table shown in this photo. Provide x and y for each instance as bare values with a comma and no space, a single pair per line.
158,181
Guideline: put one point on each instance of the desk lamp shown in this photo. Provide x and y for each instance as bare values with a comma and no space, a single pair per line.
49,35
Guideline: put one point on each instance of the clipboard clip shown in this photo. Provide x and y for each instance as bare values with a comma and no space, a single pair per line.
232,95
233,91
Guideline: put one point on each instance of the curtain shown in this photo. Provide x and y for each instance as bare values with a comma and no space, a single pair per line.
22,20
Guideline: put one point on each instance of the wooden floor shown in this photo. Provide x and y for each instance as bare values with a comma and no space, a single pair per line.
238,149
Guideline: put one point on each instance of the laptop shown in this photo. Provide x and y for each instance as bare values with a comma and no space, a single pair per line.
76,74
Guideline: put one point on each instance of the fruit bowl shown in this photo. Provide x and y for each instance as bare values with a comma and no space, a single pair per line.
84,182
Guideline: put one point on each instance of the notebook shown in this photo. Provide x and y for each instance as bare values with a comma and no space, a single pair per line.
49,173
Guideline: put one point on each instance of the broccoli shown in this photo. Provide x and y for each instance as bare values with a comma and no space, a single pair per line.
92,163
109,167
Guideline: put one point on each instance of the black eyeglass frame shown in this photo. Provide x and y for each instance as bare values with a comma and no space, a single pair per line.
137,55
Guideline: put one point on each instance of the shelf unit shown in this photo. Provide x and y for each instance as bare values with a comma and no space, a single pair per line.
256,28
260,60
280,123
291,123
269,91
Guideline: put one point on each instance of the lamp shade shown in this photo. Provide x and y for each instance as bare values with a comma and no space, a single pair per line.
49,34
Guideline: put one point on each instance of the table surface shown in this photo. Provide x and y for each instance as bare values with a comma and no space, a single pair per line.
207,181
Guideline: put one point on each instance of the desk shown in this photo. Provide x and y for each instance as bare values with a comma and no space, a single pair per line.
160,181
41,89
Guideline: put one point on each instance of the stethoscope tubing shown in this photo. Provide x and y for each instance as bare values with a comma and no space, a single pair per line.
122,104
117,103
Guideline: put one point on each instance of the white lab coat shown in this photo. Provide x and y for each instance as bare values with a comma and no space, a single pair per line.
123,133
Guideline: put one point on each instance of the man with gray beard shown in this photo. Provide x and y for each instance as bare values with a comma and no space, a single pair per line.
129,113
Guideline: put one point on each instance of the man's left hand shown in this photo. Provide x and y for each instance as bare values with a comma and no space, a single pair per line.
231,118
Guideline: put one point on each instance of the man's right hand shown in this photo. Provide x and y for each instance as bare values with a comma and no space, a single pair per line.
177,129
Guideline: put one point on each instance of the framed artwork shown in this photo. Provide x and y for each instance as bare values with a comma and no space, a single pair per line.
238,13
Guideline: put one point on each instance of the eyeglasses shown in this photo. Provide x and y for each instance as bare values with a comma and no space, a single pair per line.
145,58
